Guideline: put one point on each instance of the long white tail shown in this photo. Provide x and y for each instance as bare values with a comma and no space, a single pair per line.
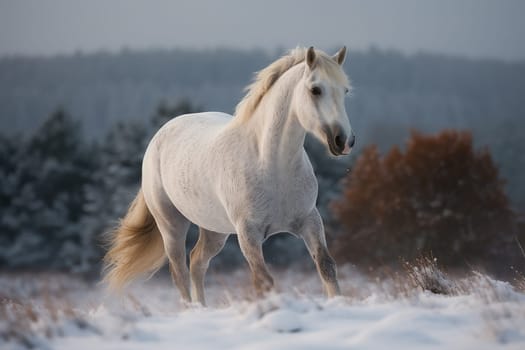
136,246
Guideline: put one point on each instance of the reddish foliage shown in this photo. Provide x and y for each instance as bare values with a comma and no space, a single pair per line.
439,195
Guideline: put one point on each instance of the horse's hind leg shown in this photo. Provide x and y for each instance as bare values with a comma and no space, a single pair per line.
209,244
173,227
175,244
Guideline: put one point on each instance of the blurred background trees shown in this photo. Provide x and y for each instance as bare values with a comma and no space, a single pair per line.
44,193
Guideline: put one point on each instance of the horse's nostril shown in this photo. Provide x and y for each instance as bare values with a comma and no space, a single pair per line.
339,141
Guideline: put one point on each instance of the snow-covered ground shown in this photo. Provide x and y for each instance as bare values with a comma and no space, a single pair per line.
59,312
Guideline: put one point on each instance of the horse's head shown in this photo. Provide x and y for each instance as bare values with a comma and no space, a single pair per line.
319,100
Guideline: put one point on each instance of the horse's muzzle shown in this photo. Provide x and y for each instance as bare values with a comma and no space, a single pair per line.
338,143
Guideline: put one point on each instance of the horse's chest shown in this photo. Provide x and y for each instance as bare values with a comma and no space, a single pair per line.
278,202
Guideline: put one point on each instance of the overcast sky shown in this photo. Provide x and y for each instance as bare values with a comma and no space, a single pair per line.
474,28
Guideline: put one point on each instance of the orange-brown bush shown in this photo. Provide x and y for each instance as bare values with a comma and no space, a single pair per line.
438,196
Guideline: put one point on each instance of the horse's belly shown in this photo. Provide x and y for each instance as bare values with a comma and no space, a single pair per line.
205,212
191,189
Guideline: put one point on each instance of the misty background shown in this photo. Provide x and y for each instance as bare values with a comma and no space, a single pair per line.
84,85
472,28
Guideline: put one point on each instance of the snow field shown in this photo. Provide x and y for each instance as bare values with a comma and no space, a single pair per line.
60,312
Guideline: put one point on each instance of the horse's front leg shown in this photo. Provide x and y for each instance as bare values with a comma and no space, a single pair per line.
250,242
312,232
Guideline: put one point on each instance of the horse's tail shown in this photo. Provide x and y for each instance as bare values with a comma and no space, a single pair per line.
136,246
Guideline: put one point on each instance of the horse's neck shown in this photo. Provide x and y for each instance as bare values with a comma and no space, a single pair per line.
279,135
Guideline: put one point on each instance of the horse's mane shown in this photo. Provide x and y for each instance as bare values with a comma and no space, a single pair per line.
267,77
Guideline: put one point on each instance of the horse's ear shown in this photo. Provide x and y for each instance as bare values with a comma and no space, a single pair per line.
339,57
310,57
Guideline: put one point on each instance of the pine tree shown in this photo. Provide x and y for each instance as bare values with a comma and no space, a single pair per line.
46,195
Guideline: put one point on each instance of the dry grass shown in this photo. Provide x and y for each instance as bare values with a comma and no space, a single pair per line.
31,325
502,305
519,282
424,274
35,309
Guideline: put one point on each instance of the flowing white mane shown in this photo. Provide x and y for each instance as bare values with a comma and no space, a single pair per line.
267,77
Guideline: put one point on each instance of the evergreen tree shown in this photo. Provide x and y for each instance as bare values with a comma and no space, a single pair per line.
45,192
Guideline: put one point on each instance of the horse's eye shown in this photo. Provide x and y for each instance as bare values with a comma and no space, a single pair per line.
316,91
346,90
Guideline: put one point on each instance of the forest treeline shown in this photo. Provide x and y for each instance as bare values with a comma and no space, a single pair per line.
60,192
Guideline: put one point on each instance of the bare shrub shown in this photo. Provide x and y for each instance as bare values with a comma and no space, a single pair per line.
437,195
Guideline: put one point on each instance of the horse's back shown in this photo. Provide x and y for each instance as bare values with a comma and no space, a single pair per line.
190,132
207,122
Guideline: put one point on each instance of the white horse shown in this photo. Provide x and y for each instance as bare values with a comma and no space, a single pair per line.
247,174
